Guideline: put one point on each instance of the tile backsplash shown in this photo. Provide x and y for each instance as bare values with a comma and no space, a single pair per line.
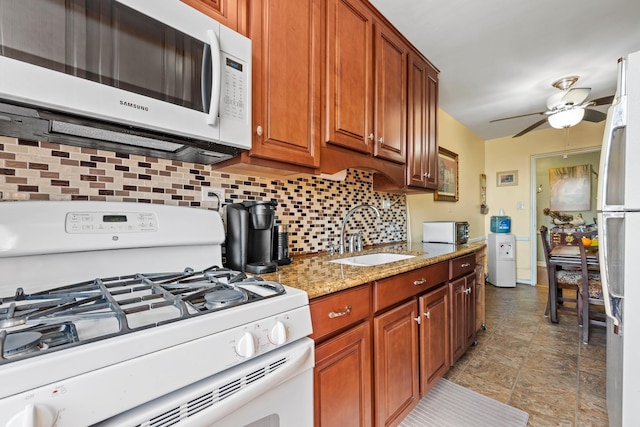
312,206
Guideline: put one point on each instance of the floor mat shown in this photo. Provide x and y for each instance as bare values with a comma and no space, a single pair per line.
451,405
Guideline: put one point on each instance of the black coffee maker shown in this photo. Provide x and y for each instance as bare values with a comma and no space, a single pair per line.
250,236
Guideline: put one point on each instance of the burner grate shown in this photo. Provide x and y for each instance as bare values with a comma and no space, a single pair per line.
124,304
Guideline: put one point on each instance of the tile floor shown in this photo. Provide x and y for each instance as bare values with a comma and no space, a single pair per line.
544,369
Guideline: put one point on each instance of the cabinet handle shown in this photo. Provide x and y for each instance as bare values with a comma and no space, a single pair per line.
420,282
333,314
466,264
259,130
426,175
427,315
381,140
417,319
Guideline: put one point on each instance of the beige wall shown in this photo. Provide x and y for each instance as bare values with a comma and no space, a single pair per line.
455,137
505,154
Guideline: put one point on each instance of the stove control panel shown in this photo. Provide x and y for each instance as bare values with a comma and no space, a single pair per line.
110,222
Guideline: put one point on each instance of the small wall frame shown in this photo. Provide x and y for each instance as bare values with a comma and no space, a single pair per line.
506,178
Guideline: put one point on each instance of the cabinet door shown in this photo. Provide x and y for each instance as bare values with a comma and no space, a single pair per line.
434,337
390,95
349,93
422,144
287,49
396,362
457,295
227,12
342,379
470,310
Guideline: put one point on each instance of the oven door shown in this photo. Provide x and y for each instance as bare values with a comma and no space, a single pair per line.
273,390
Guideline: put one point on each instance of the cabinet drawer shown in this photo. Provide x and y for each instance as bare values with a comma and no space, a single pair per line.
340,310
392,290
462,265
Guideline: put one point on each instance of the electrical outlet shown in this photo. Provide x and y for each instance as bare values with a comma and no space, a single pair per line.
209,194
386,204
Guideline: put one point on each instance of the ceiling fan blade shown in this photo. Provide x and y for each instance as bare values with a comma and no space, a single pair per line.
594,116
530,128
515,117
603,101
575,96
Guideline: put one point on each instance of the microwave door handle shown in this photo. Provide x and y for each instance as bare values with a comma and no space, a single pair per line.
216,78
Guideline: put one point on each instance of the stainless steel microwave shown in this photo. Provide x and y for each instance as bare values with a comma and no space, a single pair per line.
145,77
456,232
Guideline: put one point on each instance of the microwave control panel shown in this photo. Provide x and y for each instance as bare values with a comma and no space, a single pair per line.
110,222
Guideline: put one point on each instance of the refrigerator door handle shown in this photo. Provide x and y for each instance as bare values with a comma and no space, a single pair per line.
612,300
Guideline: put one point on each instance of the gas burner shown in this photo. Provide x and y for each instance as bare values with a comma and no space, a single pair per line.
226,297
21,343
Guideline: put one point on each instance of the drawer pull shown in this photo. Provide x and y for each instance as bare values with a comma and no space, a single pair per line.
420,282
333,314
466,264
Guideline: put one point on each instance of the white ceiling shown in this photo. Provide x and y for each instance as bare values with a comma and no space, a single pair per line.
498,58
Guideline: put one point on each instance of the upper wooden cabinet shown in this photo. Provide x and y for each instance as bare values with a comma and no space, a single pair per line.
366,93
286,80
349,75
287,68
422,143
391,57
231,13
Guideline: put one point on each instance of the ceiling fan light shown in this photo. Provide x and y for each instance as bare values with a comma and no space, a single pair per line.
567,118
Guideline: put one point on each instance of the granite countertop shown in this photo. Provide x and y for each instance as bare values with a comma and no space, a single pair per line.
317,276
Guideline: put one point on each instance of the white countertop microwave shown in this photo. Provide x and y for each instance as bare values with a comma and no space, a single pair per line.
455,232
161,75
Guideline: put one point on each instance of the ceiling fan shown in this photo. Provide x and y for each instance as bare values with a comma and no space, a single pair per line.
566,108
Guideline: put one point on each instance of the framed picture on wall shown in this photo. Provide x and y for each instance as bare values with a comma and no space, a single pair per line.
447,176
506,178
570,188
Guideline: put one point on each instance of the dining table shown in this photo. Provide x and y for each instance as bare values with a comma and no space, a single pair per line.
568,257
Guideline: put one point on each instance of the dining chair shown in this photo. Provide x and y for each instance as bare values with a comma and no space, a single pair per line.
590,295
561,278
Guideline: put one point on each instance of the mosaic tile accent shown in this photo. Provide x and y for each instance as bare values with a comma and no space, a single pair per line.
312,206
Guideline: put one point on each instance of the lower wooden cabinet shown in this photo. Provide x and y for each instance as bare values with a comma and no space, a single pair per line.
396,362
342,379
382,346
434,337
462,293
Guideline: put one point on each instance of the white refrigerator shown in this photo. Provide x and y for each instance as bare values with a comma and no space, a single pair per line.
619,233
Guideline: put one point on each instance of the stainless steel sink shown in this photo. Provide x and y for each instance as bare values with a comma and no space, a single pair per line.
369,260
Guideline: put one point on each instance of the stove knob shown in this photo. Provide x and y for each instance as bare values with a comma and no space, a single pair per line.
278,333
33,416
246,346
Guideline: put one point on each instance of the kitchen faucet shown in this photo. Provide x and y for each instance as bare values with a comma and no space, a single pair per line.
341,246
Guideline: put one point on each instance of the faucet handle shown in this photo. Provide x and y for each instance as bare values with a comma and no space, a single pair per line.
330,247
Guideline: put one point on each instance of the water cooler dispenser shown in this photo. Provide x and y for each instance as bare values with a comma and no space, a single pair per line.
502,253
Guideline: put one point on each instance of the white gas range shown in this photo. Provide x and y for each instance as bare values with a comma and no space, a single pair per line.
120,314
